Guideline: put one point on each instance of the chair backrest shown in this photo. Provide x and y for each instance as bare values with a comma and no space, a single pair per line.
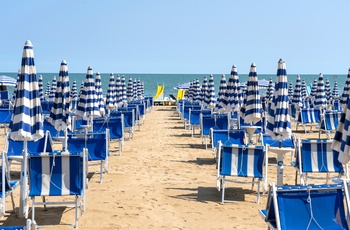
53,131
336,105
330,120
307,207
114,124
96,144
309,115
46,106
260,124
186,110
318,156
241,160
6,115
55,174
129,117
216,122
227,137
267,140
195,116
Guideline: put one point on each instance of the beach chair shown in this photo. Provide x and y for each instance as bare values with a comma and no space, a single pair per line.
240,161
216,122
57,174
186,112
226,137
57,136
195,118
129,121
336,105
7,185
46,107
307,207
97,145
257,129
309,117
28,226
329,123
5,117
116,129
317,157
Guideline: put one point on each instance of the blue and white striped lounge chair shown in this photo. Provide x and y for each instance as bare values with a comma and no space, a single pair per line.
226,137
240,161
186,112
317,157
195,116
307,207
329,123
5,116
97,148
309,117
28,226
216,122
129,120
336,105
115,126
57,174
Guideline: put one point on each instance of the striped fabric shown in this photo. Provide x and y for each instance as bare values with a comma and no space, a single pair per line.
15,88
309,115
320,97
74,92
314,89
336,105
190,92
130,90
335,91
47,90
41,90
297,98
140,96
59,115
118,91
87,105
99,94
221,103
303,90
242,161
278,121
124,97
204,91
327,90
346,92
233,93
53,88
210,99
196,90
134,87
55,175
27,120
270,90
330,121
318,156
110,99
290,90
81,88
251,108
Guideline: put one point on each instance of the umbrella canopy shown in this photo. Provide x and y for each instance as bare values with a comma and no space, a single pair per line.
297,98
191,91
221,103
204,91
15,88
327,89
130,90
303,90
7,81
196,90
134,87
346,92
233,94
74,92
270,90
124,97
251,108
118,91
321,100
278,122
53,88
59,114
314,88
41,90
87,105
139,89
110,97
47,91
99,94
335,92
210,99
290,91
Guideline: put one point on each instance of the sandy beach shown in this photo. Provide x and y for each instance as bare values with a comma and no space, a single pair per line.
165,179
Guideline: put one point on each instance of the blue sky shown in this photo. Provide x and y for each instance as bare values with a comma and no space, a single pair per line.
179,36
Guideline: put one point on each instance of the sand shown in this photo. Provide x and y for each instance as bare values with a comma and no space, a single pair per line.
164,179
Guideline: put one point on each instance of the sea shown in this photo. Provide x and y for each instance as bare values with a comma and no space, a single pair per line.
151,81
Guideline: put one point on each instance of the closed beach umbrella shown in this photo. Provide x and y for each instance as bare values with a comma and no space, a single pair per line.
87,105
303,90
204,91
134,87
74,92
15,88
233,94
251,108
297,98
81,88
191,92
130,90
41,90
59,114
314,89
321,100
221,103
27,120
139,89
124,90
110,99
118,91
99,94
290,91
346,91
197,90
327,89
53,88
278,122
270,90
47,90
335,92
210,99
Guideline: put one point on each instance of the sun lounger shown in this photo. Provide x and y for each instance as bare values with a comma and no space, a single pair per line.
329,123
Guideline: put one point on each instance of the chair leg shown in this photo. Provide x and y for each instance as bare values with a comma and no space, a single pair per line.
258,198
223,190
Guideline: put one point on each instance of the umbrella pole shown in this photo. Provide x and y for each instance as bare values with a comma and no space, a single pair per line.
65,141
280,166
23,191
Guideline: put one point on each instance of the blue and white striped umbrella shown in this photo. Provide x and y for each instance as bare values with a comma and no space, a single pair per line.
53,88
197,90
191,92
134,87
251,108
270,90
124,90
313,89
346,92
320,99
290,91
74,92
130,90
59,114
204,91
210,99
15,88
47,90
110,97
233,95
327,89
99,94
221,102
303,90
335,92
297,98
87,105
139,90
41,90
81,88
119,91
278,121
27,120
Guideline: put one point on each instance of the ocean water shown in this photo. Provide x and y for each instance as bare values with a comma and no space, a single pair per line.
171,80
